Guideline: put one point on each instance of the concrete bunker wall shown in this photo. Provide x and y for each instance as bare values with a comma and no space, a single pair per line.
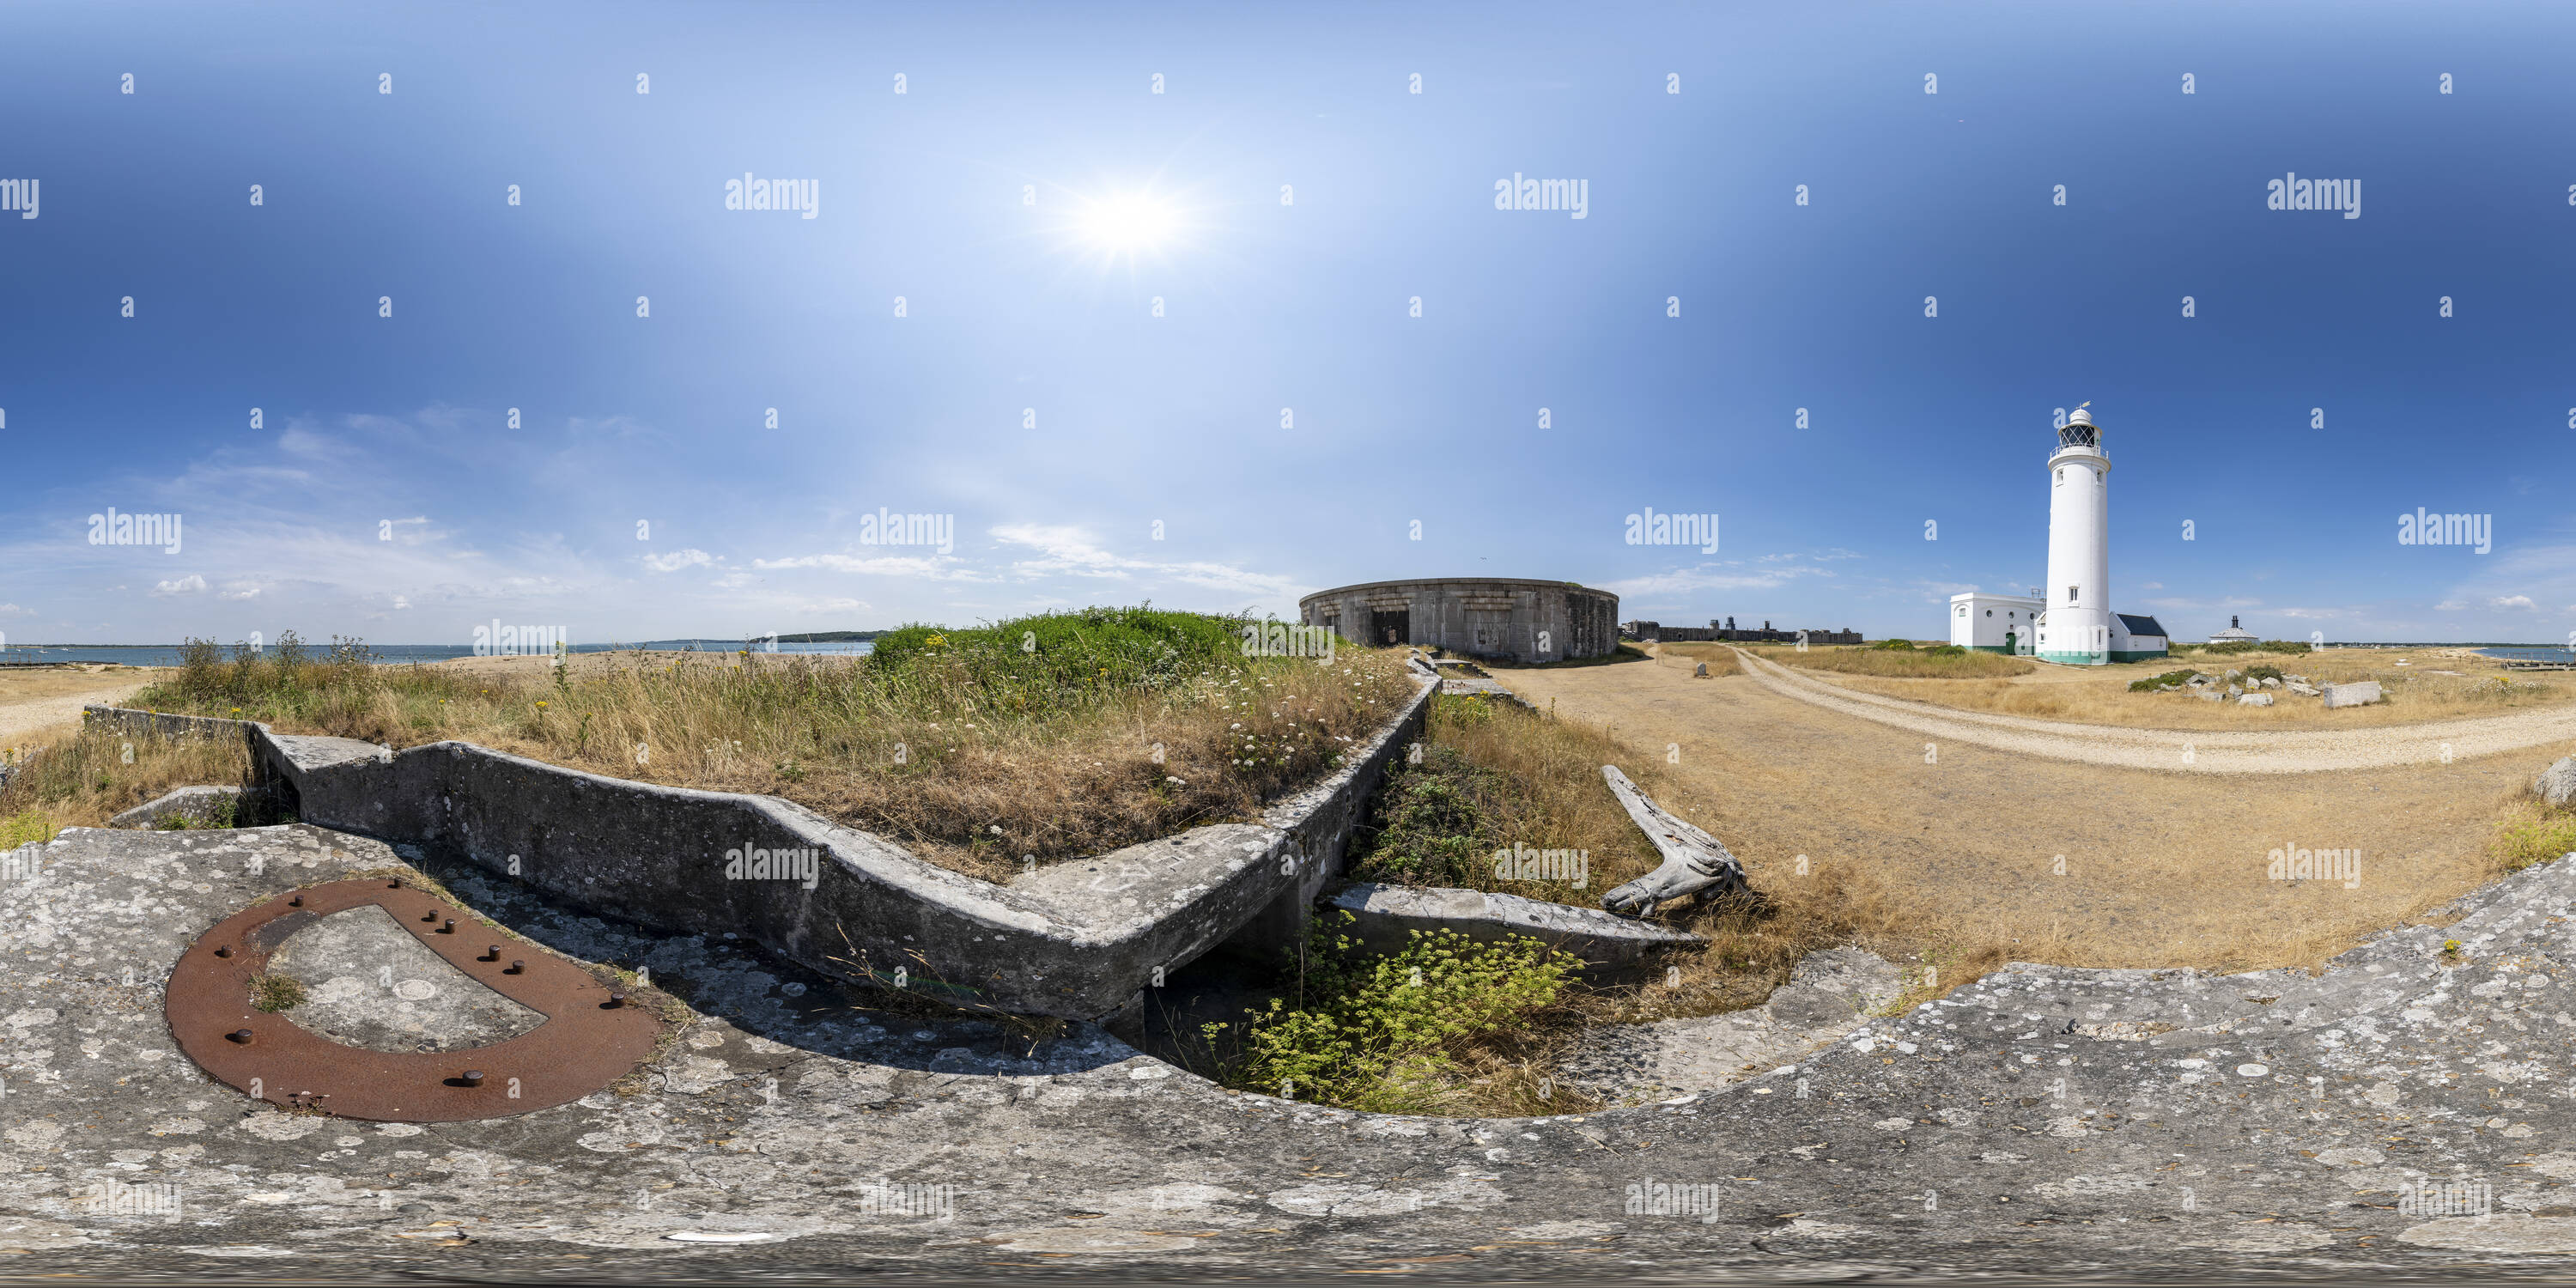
1481,617
1077,939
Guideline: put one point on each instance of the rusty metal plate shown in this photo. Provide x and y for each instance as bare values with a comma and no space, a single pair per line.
591,1036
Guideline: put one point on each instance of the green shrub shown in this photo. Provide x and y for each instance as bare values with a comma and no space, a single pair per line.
2155,682
1896,644
2233,647
2258,674
1384,1034
1061,660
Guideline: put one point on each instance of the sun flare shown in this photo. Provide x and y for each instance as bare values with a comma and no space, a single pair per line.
1128,223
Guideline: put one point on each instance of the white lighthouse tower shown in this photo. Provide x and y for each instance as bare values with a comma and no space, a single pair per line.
2075,624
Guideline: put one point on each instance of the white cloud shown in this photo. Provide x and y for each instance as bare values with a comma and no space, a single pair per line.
679,559
12,610
2512,601
930,567
251,592
189,585
1708,577
2153,585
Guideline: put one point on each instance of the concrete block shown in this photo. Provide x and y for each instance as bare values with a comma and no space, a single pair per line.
2351,695
1387,914
198,804
2254,700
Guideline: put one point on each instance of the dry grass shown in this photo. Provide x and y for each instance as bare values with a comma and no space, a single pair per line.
1936,663
975,755
1720,658
82,779
2100,695
1954,862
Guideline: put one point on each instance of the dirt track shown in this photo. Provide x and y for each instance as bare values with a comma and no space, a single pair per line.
2301,752
2161,868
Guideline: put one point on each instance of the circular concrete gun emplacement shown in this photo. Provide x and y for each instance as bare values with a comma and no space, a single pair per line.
1505,619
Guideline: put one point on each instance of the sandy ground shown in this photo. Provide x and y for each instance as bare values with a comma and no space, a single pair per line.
2160,868
34,700
2186,751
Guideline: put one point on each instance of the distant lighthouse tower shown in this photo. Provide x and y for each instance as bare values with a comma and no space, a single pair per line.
2075,625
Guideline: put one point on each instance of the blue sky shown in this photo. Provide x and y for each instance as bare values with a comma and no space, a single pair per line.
374,427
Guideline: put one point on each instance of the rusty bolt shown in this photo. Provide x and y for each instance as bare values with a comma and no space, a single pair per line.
516,968
449,928
296,902
393,885
223,952
473,1078
429,916
492,954
240,1035
617,999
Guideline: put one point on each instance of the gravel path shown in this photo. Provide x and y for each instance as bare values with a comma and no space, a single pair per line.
19,719
2287,752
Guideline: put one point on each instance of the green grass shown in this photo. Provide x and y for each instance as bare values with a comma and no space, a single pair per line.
2154,682
2235,647
1399,1033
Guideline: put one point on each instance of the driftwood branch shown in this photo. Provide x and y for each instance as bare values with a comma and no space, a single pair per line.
1696,864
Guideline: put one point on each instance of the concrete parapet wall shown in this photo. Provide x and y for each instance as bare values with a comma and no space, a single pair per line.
1076,939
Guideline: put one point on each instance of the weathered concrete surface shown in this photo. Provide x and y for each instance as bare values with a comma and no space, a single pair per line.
200,805
1075,940
2045,1123
370,983
2359,694
1387,915
1827,996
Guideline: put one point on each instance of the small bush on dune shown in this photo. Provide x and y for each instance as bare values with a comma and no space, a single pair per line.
2155,682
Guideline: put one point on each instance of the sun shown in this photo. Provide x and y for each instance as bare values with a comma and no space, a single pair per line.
1128,223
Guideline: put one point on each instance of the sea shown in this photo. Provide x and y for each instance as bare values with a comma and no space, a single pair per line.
402,654
2532,653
